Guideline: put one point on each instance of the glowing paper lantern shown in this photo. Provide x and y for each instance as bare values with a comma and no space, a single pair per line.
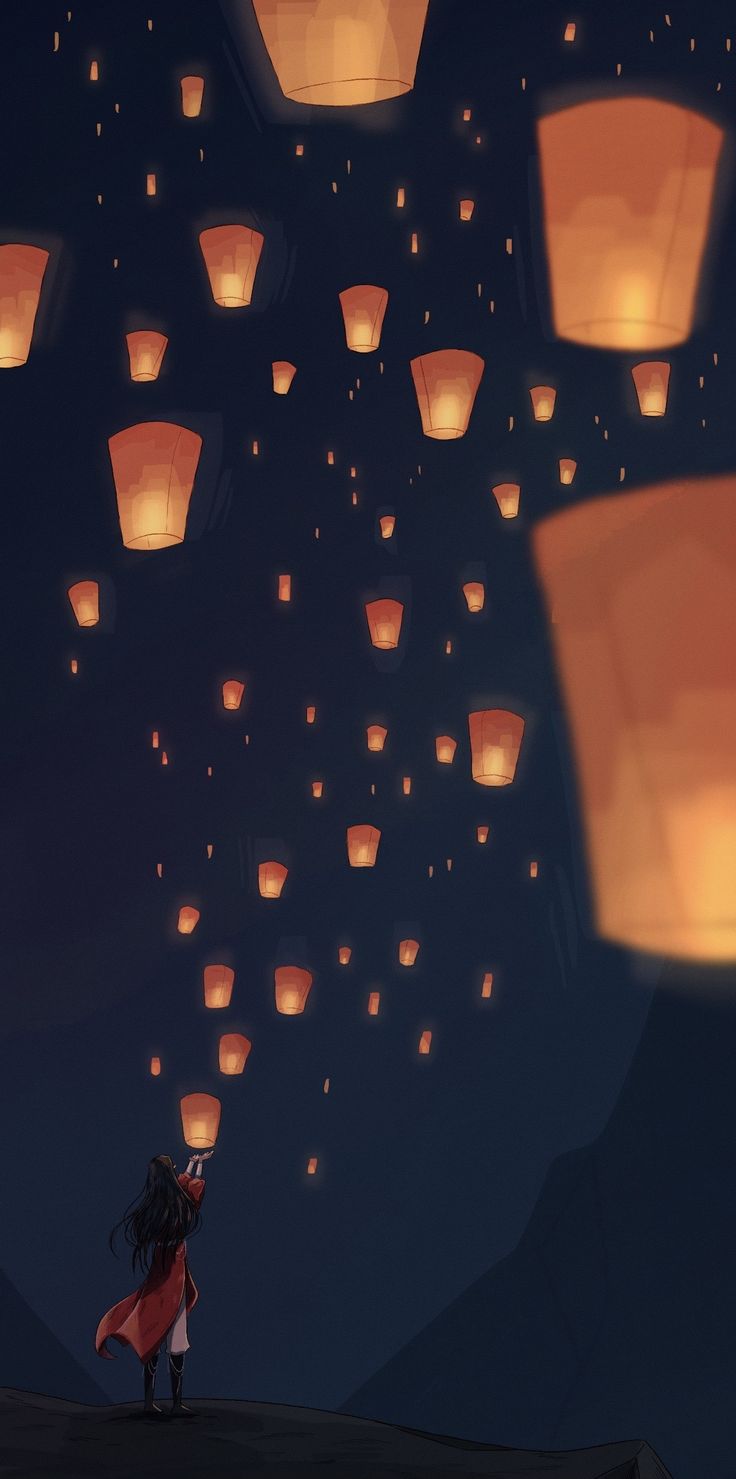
284,592
445,747
425,1042
543,402
188,919
362,844
340,53
312,1165
283,373
344,953
233,1051
376,737
446,382
155,1067
507,498
84,598
292,986
150,184
311,713
232,693
534,870
384,619
495,741
408,951
200,1120
466,209
406,785
642,585
154,465
567,466
374,1001
627,186
231,255
192,92
317,789
487,985
474,592
387,525
21,276
481,833
218,986
363,308
146,350
271,879
652,379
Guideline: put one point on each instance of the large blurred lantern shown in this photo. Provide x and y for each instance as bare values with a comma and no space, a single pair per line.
232,693
408,951
154,465
231,255
340,53
218,985
446,382
363,308
271,879
362,846
645,634
543,401
474,592
146,350
627,186
652,379
21,275
376,737
283,373
200,1120
233,1051
192,92
292,985
495,741
384,622
188,919
507,498
84,597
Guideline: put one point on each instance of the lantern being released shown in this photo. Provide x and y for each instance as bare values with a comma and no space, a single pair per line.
154,465
543,402
292,986
283,373
231,255
84,598
233,1052
652,379
507,497
627,186
495,741
146,350
21,276
362,843
188,919
384,619
200,1120
340,53
192,92
644,635
218,985
363,308
271,879
232,694
446,382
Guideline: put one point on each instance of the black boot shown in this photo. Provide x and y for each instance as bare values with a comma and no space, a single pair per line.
149,1381
176,1372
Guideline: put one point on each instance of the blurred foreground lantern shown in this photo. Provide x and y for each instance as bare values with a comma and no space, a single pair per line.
21,275
425,1042
446,382
543,401
376,736
344,953
362,844
642,584
232,693
495,741
271,879
154,465
218,985
474,592
487,985
652,379
363,308
192,92
338,53
200,1120
155,1067
384,622
507,498
146,349
283,373
292,985
233,1051
408,951
567,466
627,186
387,524
466,210
231,255
84,597
188,919
444,748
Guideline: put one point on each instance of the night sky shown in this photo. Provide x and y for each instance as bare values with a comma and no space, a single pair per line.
428,1167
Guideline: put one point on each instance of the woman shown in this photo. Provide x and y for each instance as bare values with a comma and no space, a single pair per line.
155,1227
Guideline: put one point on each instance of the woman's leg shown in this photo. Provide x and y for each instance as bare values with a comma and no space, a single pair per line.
149,1382
177,1344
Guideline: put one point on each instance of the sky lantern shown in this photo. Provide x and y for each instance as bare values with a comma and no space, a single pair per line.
495,741
487,985
362,842
271,879
146,349
408,952
387,524
446,382
200,1120
292,985
642,585
384,619
232,693
567,469
344,953
627,186
374,1002
425,1042
330,53
21,276
481,833
406,785
154,464
84,597
363,308
188,919
651,379
192,92
310,713
534,869
155,1067
375,737
507,497
284,588
283,373
474,592
233,1051
543,399
317,789
466,210
445,747
231,255
218,986
312,1164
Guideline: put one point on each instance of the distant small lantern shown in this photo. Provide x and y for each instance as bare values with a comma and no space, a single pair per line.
507,498
283,373
446,383
218,986
326,1086
495,741
312,1165
233,1051
474,592
481,833
466,209
146,350
284,591
200,1120
344,953
375,737
232,693
363,308
408,952
271,879
94,71
406,785
445,747
231,255
154,464
652,379
487,985
568,467
150,184
292,987
384,619
155,1067
21,277
84,598
188,919
317,789
425,1042
331,55
362,843
387,524
533,869
73,665
374,1001
192,92
311,713
543,402
154,740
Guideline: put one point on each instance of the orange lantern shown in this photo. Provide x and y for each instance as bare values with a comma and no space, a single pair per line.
567,467
387,525
652,379
312,1165
146,349
481,833
283,373
446,383
74,665
85,602
232,693
507,498
327,52
188,919
466,210
543,402
384,619
533,870
200,1120
408,951
218,986
376,736
406,785
154,740
154,465
271,879
425,1042
642,585
474,592
374,1001
231,255
292,985
362,844
495,741
344,953
150,184
627,186
487,985
317,789
233,1052
284,588
363,308
21,276
445,747
155,1067
311,714
192,92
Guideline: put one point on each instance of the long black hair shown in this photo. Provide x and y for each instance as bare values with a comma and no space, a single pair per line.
162,1213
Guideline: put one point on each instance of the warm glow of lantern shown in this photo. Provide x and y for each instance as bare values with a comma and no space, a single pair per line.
568,466
21,276
231,255
188,919
652,379
192,92
73,665
543,401
311,713
232,693
284,587
408,951
425,1042
446,383
341,53
84,598
271,879
570,30
317,788
362,844
218,986
406,785
292,985
445,747
200,1120
363,308
94,71
312,1165
283,373
387,524
344,953
374,1001
146,350
150,184
627,186
466,209
233,1052
474,592
481,833
507,498
376,736
495,741
155,1067
384,622
533,869
154,740
154,465
487,985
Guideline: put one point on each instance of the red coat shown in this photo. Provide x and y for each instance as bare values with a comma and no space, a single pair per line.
143,1318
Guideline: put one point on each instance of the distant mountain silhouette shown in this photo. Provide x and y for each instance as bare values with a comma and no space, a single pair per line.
31,1355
